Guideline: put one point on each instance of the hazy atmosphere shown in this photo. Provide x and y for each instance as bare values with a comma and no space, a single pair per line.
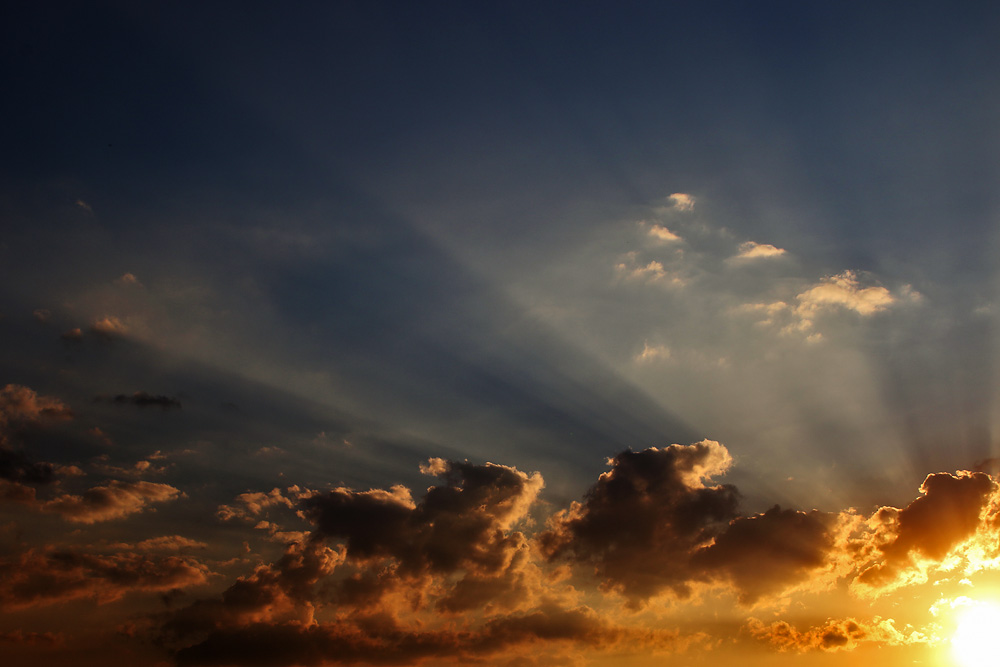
520,334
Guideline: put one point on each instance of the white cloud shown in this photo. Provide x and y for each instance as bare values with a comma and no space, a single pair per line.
663,234
753,250
681,201
843,290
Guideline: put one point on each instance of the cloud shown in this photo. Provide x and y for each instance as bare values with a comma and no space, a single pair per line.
380,639
144,399
836,635
36,578
753,250
643,520
127,279
653,271
109,327
19,405
463,524
681,201
652,353
661,233
31,638
85,206
113,500
779,549
42,315
75,334
904,542
843,290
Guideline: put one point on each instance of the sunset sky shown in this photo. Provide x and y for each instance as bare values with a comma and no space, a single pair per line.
521,334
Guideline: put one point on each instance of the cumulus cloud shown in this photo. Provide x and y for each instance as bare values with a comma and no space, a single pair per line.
777,550
113,500
19,405
753,250
643,520
462,524
37,578
661,233
681,201
109,327
903,543
842,291
652,272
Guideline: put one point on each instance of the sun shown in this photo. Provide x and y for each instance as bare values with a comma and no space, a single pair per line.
974,643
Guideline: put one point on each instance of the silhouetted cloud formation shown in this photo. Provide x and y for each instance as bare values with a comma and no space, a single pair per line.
640,525
144,399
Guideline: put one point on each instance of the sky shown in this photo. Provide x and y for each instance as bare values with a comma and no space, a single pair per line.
521,334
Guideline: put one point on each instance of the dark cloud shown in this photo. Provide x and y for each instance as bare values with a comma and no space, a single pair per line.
15,466
640,524
463,524
381,640
774,550
41,578
144,399
30,638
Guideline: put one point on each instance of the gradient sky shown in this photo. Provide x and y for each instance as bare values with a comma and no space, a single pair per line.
511,333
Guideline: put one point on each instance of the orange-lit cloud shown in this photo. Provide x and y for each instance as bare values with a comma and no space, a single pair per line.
36,578
113,500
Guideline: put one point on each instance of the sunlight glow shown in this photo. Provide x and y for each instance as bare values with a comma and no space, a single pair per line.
974,642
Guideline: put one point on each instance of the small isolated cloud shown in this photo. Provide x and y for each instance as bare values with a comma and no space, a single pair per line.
753,250
127,279
42,315
72,335
651,353
109,327
661,233
113,500
85,206
681,201
144,400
